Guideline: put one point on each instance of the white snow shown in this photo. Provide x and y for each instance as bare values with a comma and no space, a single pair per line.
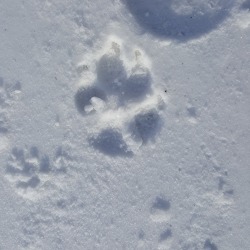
124,124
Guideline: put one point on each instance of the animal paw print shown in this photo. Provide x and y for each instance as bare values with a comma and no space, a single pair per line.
165,239
160,209
160,214
125,101
28,171
23,168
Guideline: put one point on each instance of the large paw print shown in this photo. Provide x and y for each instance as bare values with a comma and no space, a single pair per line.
125,101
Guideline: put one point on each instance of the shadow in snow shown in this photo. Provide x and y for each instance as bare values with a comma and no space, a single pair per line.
246,5
179,19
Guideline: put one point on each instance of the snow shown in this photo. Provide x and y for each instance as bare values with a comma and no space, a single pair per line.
124,124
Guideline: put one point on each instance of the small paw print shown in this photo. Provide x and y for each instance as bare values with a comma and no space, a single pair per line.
160,209
30,172
23,168
125,101
165,239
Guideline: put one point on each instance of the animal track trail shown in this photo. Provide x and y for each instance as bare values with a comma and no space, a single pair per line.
160,215
125,101
225,187
220,174
30,172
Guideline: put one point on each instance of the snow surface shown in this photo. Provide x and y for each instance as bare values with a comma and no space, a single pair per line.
124,124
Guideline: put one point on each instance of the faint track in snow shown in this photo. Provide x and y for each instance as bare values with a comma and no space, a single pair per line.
160,209
8,93
33,174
